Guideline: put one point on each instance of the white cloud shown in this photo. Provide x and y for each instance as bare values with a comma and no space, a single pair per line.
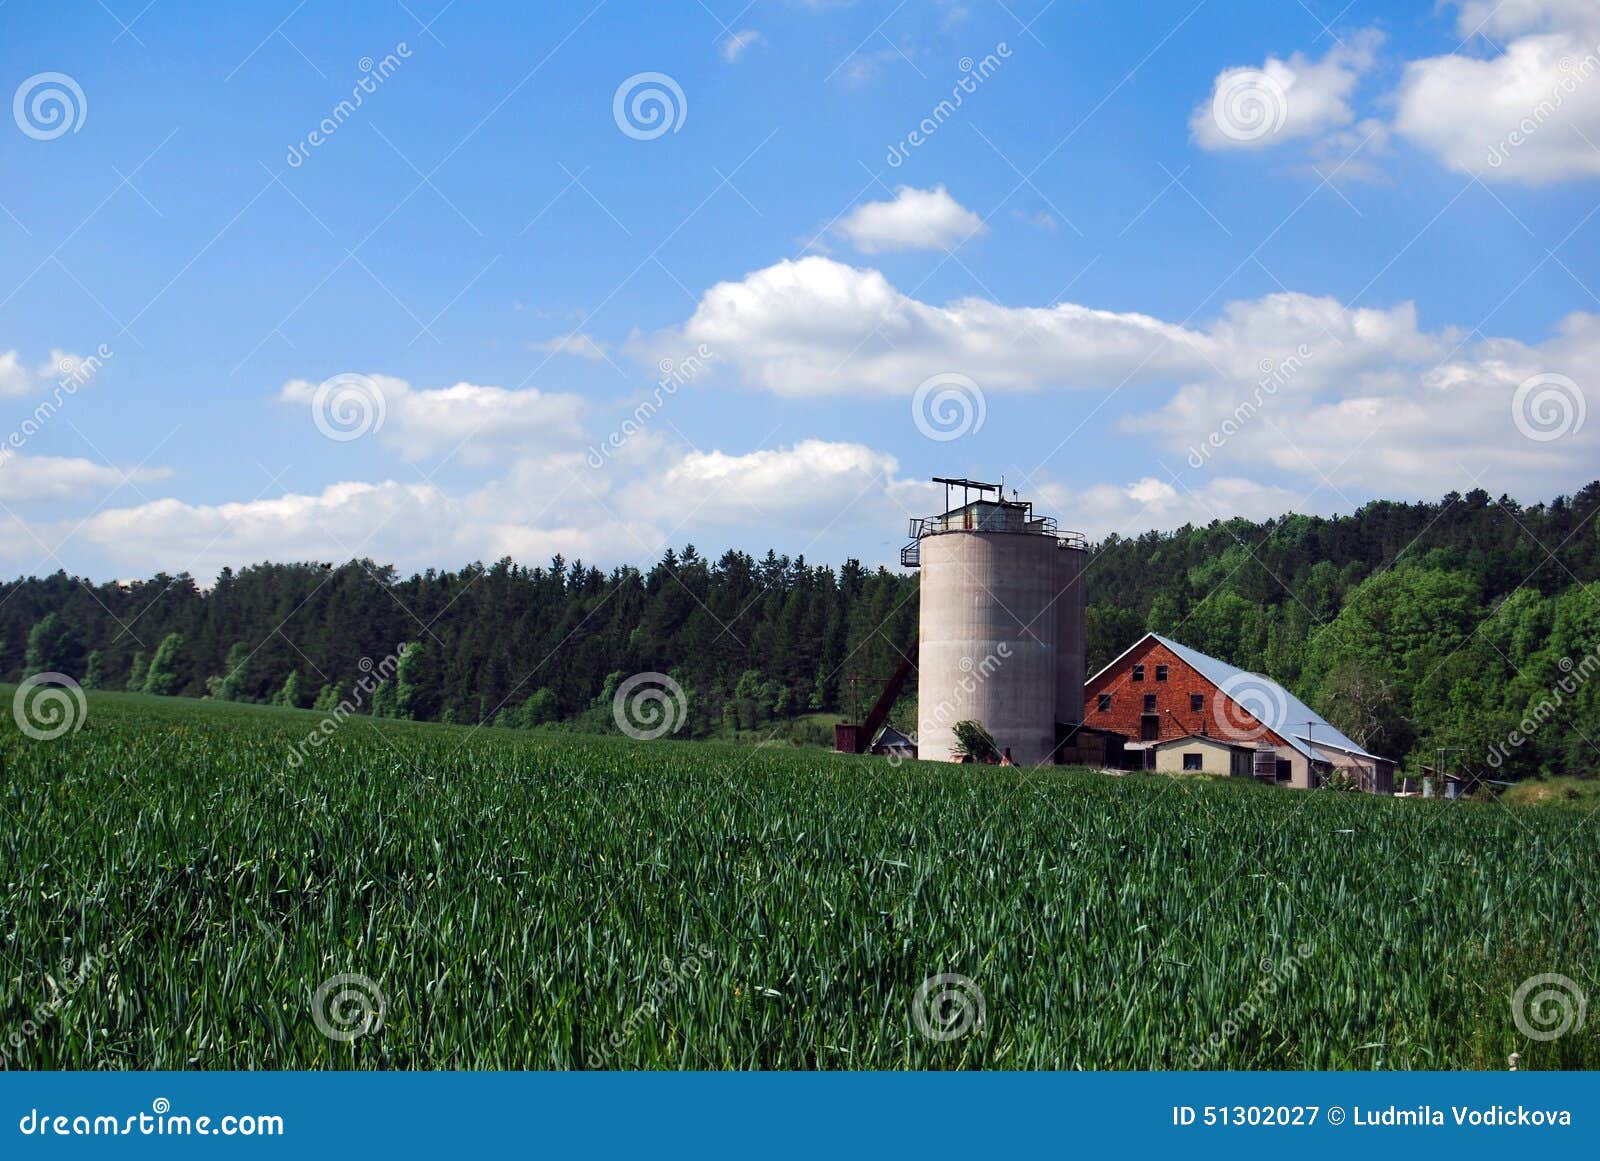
1151,502
14,377
576,344
541,506
819,327
1370,398
63,367
477,423
1284,100
737,42
1530,113
1419,414
917,219
27,477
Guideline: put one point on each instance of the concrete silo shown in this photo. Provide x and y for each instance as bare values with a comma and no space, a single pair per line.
1001,624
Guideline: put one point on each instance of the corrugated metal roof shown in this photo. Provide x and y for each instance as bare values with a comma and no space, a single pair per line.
1275,707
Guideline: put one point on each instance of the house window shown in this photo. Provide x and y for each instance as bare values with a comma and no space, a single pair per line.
1138,673
1161,673
1149,703
1197,702
1194,762
1285,770
1102,702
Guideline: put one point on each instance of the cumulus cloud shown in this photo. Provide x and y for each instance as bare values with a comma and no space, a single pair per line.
16,378
1529,113
737,42
28,477
1423,406
819,327
540,506
917,219
475,422
1152,502
1284,100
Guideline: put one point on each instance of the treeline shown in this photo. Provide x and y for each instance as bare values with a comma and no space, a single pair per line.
1413,627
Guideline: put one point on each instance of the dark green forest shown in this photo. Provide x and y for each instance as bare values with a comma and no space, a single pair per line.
1411,626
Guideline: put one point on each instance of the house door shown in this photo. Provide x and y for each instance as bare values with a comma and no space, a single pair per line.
1149,727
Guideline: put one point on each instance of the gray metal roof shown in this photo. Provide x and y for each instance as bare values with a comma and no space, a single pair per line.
1271,704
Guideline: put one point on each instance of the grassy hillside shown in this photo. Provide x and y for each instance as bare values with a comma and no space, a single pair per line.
529,900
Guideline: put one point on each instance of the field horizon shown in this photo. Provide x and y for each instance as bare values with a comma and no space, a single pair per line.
185,894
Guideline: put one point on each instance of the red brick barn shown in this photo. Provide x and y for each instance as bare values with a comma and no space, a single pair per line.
1160,690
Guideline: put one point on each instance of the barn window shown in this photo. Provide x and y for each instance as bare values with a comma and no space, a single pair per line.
1102,702
1161,673
1149,703
1138,673
1197,702
1194,761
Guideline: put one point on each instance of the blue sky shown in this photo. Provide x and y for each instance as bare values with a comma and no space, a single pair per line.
1161,263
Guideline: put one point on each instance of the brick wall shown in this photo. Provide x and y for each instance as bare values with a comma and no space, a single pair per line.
1126,713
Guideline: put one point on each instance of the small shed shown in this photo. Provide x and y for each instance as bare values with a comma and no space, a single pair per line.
1202,754
892,742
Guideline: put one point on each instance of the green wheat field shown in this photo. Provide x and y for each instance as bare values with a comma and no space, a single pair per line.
174,890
